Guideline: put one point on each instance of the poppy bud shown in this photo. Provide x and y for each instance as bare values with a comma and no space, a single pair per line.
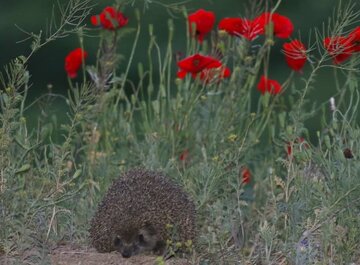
348,153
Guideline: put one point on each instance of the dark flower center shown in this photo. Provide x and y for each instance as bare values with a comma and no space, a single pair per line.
196,62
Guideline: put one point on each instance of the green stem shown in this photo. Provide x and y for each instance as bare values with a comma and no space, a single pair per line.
128,66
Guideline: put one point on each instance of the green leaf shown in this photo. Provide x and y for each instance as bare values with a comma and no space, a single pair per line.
23,168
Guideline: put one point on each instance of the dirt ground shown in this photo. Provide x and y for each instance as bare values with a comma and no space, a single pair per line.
70,255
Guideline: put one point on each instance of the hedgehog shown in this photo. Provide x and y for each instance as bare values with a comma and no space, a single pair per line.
136,213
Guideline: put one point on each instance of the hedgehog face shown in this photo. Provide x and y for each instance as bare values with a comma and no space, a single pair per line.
132,242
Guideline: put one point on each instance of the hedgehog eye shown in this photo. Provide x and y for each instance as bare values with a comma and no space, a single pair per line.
117,242
141,239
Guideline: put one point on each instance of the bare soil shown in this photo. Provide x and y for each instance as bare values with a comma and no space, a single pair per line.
70,256
75,255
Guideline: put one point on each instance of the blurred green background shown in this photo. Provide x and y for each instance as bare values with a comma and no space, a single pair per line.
47,66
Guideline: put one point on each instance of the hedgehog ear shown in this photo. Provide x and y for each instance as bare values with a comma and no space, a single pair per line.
146,234
150,229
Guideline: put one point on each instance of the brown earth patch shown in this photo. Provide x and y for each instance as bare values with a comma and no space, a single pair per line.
75,255
70,256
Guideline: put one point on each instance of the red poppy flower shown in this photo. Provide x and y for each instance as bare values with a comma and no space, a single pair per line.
283,27
110,19
203,20
354,38
196,63
268,85
241,27
245,175
232,25
340,48
208,67
295,54
73,61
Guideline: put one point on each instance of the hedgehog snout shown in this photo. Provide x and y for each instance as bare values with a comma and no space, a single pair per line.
126,253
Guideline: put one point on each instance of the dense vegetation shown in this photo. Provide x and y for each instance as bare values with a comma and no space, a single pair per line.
211,117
